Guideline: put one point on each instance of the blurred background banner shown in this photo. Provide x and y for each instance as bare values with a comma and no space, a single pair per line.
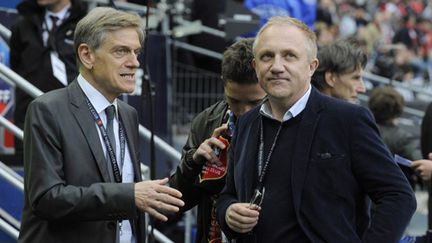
304,10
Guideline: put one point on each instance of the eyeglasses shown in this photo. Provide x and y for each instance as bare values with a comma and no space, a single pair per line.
257,197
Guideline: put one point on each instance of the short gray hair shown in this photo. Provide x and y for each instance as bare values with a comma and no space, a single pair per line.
311,45
93,28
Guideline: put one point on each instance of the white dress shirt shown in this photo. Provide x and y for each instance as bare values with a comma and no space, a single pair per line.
99,102
48,24
296,109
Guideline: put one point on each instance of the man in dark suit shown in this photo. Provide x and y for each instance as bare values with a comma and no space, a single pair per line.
302,165
82,173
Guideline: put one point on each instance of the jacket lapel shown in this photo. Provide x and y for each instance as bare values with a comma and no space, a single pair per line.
303,145
82,114
248,160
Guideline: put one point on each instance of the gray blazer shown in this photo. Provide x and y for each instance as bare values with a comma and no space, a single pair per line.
69,196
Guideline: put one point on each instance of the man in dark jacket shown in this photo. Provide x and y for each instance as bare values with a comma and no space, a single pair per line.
201,175
302,165
42,38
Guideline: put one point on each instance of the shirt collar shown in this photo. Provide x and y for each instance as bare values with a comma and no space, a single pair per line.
62,14
295,109
99,102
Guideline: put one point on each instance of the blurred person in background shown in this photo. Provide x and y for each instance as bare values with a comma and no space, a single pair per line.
325,34
41,49
387,105
340,71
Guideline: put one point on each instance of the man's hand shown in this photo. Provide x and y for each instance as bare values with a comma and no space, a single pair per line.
242,217
205,151
423,167
154,196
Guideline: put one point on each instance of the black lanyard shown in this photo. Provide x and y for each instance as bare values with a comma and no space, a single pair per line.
263,169
108,146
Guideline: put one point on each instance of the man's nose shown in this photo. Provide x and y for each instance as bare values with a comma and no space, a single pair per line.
277,65
133,60
361,88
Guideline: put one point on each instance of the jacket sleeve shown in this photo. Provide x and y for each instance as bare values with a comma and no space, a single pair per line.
187,171
381,179
15,47
47,190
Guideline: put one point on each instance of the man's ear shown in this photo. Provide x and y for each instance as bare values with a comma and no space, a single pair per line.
253,63
330,78
313,65
86,56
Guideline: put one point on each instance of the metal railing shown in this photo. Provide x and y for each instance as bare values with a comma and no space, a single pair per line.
7,222
12,177
5,32
197,49
397,84
8,229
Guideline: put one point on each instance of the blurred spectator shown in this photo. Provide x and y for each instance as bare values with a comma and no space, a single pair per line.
361,17
326,12
325,34
415,7
392,7
340,71
427,11
371,33
387,106
347,25
402,65
408,34
41,49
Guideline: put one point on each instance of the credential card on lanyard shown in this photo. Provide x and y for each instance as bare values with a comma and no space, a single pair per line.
59,68
401,160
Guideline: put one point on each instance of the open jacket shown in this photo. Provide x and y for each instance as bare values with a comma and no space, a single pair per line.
68,193
186,179
329,192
